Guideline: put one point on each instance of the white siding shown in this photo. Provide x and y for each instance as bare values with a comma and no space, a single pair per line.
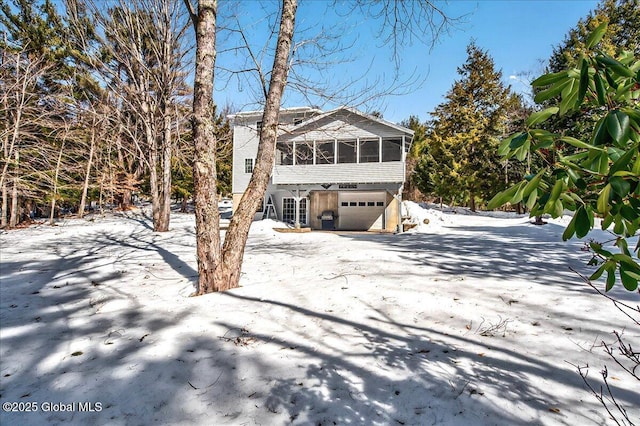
245,145
341,126
339,173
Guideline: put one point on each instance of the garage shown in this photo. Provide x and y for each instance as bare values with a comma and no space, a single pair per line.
361,211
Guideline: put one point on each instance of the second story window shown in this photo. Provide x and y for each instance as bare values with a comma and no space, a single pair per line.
304,153
284,154
347,151
325,152
369,151
259,125
248,165
392,149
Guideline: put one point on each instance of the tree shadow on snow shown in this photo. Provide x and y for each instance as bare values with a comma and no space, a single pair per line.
394,373
527,252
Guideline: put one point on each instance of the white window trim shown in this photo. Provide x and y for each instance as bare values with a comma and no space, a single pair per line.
248,161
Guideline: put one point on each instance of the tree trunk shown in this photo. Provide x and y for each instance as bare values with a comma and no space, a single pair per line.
5,205
85,186
208,250
54,194
152,143
236,237
13,219
472,201
164,214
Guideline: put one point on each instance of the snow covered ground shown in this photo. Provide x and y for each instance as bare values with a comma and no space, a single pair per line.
466,320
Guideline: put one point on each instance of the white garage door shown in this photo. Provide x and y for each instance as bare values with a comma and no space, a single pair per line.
361,211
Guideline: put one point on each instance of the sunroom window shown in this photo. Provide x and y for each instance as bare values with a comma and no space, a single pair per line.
304,153
369,151
284,154
392,149
347,151
325,152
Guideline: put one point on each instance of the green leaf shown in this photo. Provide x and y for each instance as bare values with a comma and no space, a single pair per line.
533,196
611,279
600,132
583,224
600,91
570,230
623,161
547,79
533,183
501,198
541,116
615,66
603,200
628,281
603,163
597,247
504,146
595,37
620,186
598,273
584,81
618,125
607,221
568,101
551,92
610,79
558,209
578,143
518,141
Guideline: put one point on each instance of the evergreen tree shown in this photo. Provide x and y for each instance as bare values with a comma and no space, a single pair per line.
412,185
622,34
460,162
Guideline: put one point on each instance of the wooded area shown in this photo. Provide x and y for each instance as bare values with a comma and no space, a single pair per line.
95,109
99,109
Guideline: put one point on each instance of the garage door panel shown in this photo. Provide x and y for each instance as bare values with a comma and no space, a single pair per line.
361,211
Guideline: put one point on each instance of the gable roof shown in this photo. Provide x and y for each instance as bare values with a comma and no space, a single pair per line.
352,111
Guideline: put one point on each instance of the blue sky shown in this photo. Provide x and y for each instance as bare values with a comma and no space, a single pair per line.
519,35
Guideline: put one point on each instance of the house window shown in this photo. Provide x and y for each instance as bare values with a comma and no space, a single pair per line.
284,154
259,125
347,151
297,121
304,153
369,151
380,203
289,210
325,152
392,149
248,165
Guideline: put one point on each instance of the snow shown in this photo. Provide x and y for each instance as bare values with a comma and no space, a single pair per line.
469,319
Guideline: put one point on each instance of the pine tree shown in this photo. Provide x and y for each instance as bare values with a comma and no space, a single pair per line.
411,187
461,161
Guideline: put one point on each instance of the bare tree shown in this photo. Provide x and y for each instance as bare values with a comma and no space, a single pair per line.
24,111
219,267
144,39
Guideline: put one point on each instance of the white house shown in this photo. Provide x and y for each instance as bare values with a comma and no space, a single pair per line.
340,169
